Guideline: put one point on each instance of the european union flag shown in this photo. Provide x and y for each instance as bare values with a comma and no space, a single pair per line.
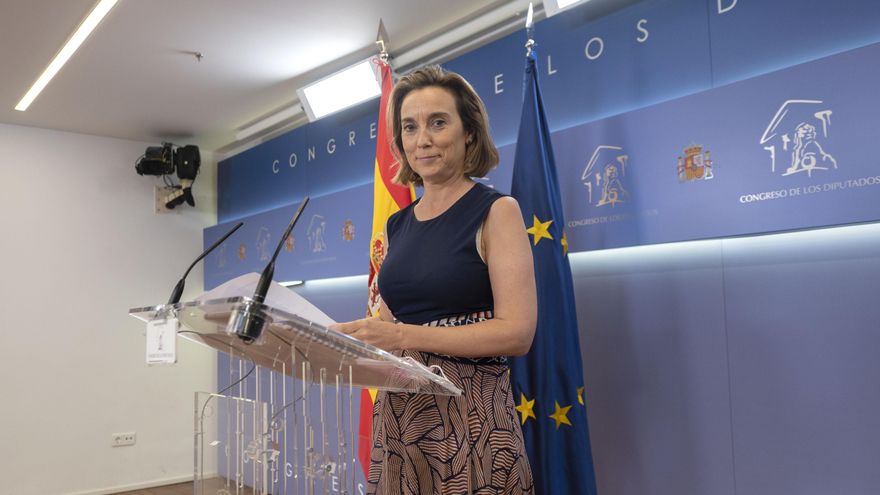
548,381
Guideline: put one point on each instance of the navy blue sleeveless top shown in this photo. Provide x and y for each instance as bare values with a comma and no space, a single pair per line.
432,269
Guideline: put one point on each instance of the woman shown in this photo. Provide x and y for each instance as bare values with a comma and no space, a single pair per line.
457,258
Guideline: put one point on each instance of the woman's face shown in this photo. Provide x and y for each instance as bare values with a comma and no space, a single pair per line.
433,136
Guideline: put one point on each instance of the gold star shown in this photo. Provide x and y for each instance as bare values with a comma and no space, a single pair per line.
581,395
564,244
560,415
539,229
525,408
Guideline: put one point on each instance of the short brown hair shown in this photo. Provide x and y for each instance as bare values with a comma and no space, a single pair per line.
480,157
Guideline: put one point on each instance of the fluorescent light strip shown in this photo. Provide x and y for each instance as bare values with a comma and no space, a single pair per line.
334,282
566,3
292,283
689,254
339,91
553,7
284,115
82,32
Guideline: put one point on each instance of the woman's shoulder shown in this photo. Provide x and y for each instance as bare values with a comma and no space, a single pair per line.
506,206
504,213
482,198
504,229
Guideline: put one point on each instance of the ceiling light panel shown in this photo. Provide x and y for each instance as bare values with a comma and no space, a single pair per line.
339,91
79,36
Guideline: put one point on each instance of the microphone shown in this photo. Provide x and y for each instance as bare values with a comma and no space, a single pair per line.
248,321
178,289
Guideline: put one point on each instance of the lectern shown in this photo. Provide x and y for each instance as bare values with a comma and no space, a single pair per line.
285,424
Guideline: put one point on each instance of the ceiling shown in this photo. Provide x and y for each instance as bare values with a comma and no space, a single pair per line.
137,77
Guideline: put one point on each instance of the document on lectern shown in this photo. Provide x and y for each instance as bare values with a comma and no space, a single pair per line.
279,297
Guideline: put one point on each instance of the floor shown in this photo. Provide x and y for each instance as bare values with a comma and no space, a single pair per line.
178,489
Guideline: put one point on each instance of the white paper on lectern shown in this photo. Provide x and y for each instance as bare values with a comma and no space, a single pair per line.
162,340
279,297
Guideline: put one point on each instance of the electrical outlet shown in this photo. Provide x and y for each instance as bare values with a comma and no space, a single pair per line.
123,439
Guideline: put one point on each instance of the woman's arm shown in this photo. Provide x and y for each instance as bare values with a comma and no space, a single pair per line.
511,272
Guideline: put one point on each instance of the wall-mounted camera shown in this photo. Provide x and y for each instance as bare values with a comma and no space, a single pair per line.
169,159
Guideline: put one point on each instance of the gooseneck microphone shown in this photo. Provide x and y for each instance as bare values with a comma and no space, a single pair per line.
178,289
248,320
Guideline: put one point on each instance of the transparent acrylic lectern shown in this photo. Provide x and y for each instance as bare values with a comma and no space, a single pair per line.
285,424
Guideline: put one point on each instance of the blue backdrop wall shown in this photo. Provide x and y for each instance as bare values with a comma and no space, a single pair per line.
723,364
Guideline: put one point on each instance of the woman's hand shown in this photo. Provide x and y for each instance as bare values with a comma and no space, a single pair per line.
382,334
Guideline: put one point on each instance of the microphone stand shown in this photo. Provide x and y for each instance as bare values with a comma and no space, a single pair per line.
248,321
178,289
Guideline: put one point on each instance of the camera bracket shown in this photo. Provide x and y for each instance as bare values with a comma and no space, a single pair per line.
159,199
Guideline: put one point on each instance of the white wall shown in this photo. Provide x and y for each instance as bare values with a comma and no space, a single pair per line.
81,245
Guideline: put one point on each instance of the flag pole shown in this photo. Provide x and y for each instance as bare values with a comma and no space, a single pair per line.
388,198
530,32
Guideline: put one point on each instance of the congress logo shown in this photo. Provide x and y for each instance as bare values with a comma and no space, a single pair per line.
605,176
220,257
795,136
262,243
316,234
348,231
695,164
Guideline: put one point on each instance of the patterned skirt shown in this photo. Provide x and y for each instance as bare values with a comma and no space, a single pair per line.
440,445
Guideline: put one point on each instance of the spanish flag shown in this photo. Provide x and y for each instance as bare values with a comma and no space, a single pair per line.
388,198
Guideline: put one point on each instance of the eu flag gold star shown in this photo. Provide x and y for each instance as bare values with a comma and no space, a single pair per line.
560,416
539,229
564,243
526,408
581,395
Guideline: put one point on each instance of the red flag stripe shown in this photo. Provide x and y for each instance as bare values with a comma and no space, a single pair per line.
387,164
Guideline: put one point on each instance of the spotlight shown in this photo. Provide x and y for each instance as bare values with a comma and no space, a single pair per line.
165,160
